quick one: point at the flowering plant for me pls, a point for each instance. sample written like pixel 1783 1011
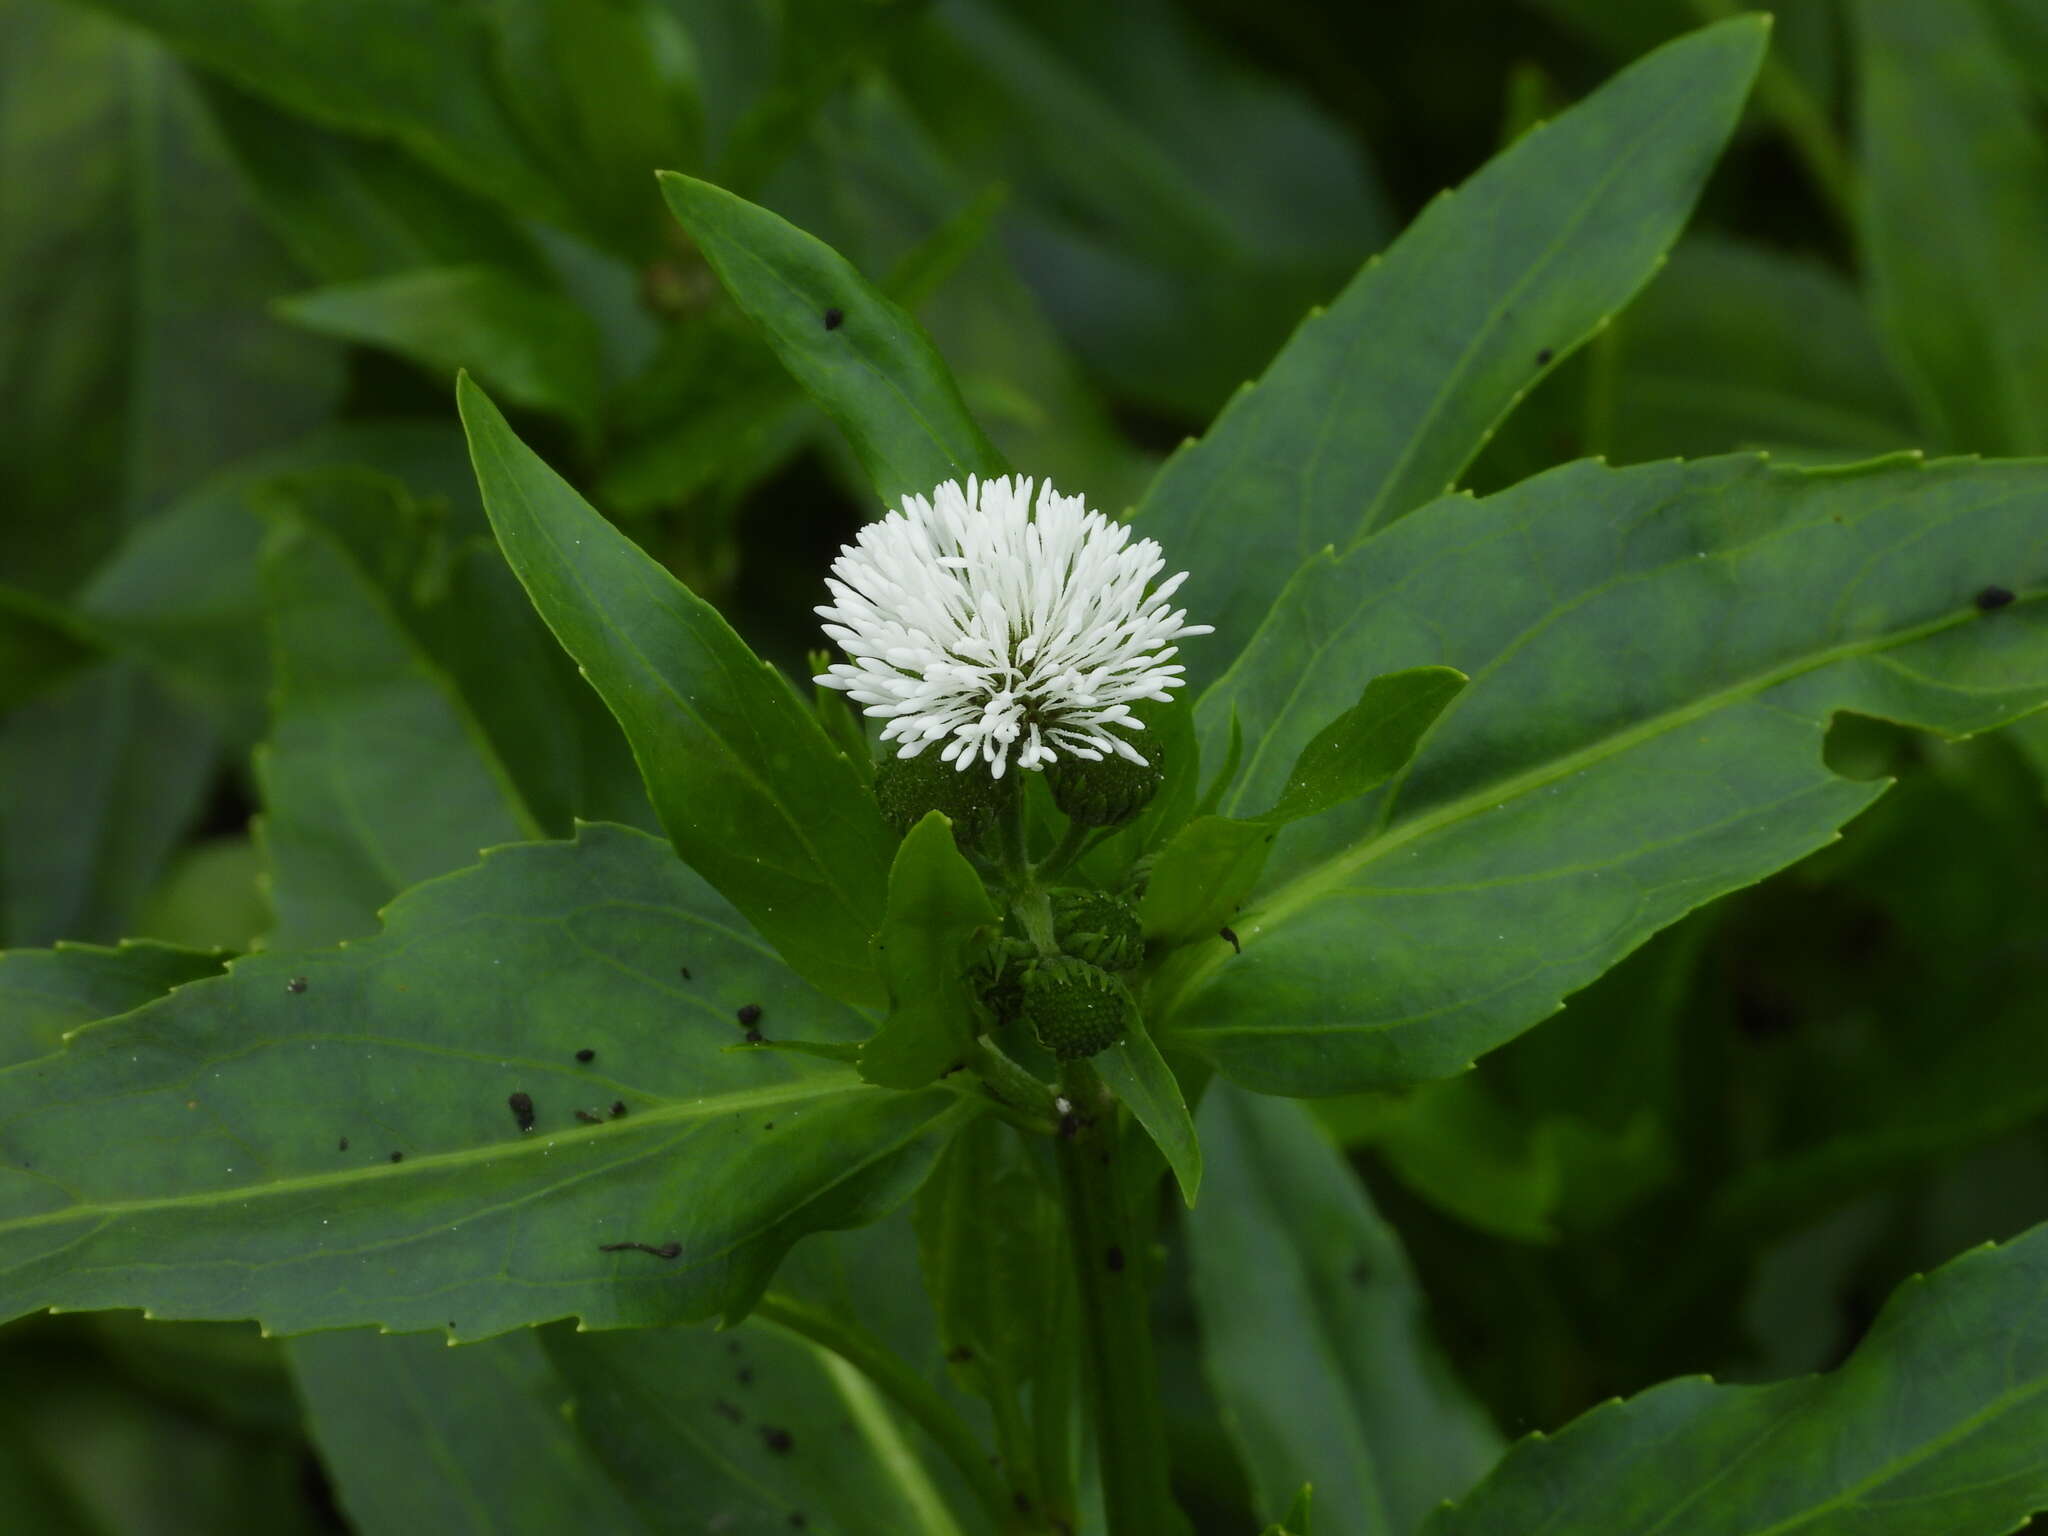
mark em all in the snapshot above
pixel 944 1030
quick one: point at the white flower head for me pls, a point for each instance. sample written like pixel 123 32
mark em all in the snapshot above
pixel 995 624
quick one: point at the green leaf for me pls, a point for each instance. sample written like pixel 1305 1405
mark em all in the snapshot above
pixel 992 1249
pixel 349 207
pixel 188 1158
pixel 388 69
pixel 531 345
pixel 1145 1084
pixel 1206 871
pixel 376 775
pixel 420 1436
pixel 1947 125
pixel 100 778
pixel 46 993
pixel 751 790
pixel 748 1432
pixel 40 643
pixel 872 370
pixel 135 352
pixel 1314 1333
pixel 1655 654
pixel 936 905
pixel 1436 340
pixel 1934 1424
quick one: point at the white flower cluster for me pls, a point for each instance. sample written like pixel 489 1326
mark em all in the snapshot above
pixel 982 620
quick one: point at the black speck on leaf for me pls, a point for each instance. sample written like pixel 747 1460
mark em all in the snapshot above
pixel 618 1109
pixel 586 1054
pixel 522 1110
pixel 344 1143
pixel 398 1157
pixel 778 1440
pixel 753 1037
pixel 834 318
pixel 296 985
pixel 589 1117
pixel 750 1015
pixel 1114 1258
pixel 1231 935
pixel 1543 358
pixel 745 1376
pixel 686 972
pixel 1993 598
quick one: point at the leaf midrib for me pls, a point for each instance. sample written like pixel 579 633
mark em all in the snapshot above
pixel 823 1085
pixel 1316 882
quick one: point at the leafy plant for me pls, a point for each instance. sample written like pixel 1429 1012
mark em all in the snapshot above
pixel 972 1140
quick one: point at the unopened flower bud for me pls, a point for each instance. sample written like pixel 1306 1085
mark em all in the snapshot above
pixel 909 788
pixel 1103 794
pixel 1075 1008
pixel 1097 927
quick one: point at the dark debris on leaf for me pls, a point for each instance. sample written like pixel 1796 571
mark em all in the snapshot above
pixel 1991 599
pixel 618 1109
pixel 586 1055
pixel 778 1440
pixel 834 318
pixel 296 985
pixel 749 1015
pixel 522 1110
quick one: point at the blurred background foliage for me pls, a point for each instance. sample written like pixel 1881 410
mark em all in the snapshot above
pixel 248 600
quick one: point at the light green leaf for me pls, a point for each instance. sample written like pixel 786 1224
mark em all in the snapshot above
pixel 1935 1424
pixel 871 369
pixel 46 993
pixel 1206 871
pixel 751 790
pixel 1955 225
pixel 1376 406
pixel 531 345
pixel 936 905
pixel 376 775
pixel 1655 654
pixel 188 1158
pixel 418 1436
pixel 1314 1333
pixel 1140 1078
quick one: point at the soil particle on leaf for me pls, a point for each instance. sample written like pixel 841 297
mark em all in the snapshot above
pixel 1543 358
pixel 590 1117
pixel 586 1055
pixel 1991 599
pixel 834 318
pixel 778 1440
pixel 296 985
pixel 753 1037
pixel 618 1109
pixel 398 1157
pixel 749 1015
pixel 522 1110
pixel 685 970
pixel 344 1143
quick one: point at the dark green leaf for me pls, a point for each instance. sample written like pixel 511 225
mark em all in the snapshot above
pixel 41 642
pixel 1655 654
pixel 418 1436
pixel 1202 877
pixel 531 345
pixel 1433 343
pixel 751 790
pixel 186 1157
pixel 1141 1079
pixel 1314 1335
pixel 1947 126
pixel 867 363
pixel 376 775
pixel 1934 1424
pixel 936 906
pixel 46 993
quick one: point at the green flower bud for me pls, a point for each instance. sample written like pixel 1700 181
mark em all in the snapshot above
pixel 1075 1008
pixel 1106 793
pixel 1097 927
pixel 909 788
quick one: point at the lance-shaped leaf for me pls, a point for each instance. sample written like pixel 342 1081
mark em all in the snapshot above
pixel 1143 1082
pixel 1935 1424
pixel 1655 656
pixel 748 786
pixel 863 358
pixel 46 992
pixel 936 905
pixel 333 1139
pixel 420 1436
pixel 1374 407
pixel 1314 1334
pixel 1214 862
pixel 1948 124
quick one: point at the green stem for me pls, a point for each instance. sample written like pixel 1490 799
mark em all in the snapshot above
pixel 1069 849
pixel 918 1398
pixel 1052 1401
pixel 1118 1370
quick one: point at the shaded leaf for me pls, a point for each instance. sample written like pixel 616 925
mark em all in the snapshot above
pixel 751 790
pixel 1314 1336
pixel 46 993
pixel 936 905
pixel 1142 1081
